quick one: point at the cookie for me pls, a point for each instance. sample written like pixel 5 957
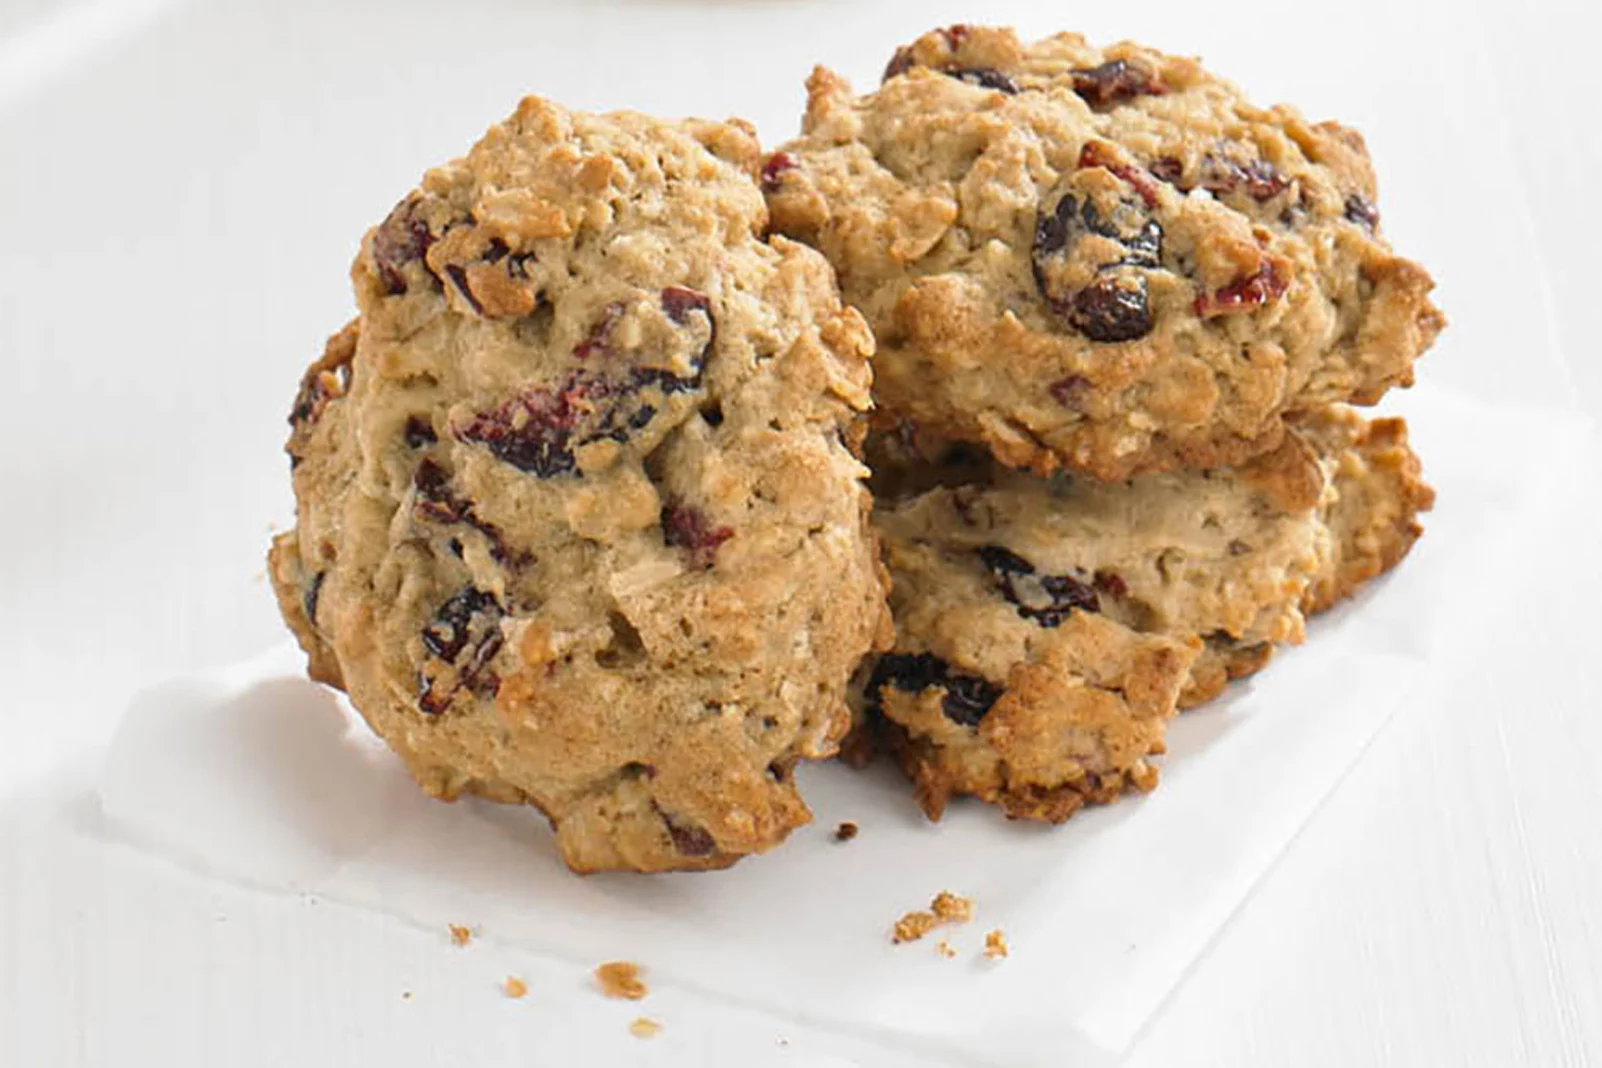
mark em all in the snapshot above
pixel 580 519
pixel 1105 260
pixel 1047 628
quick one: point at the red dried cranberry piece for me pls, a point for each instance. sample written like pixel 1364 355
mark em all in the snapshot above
pixel 1244 294
pixel 690 841
pixel 776 165
pixel 1169 170
pixel 1112 309
pixel 1259 179
pixel 1112 584
pixel 532 432
pixel 1113 83
pixel 419 432
pixel 308 600
pixel 400 239
pixel 1363 212
pixel 678 303
pixel 1046 600
pixel 685 527
pixel 1098 154
pixel 967 699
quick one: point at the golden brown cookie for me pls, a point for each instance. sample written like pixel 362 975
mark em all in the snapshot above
pixel 579 519
pixel 1106 260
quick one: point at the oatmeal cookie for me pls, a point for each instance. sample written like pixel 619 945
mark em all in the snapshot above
pixel 579 518
pixel 1106 260
pixel 1008 586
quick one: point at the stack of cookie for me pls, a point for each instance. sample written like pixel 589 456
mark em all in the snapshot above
pixel 1118 311
pixel 583 508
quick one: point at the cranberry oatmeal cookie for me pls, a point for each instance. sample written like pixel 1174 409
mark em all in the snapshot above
pixel 1100 259
pixel 580 522
pixel 1047 628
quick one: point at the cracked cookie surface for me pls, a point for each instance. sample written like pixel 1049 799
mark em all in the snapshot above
pixel 1100 259
pixel 579 519
pixel 1047 628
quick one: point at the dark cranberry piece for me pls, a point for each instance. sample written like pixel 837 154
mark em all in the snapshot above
pixel 1169 170
pixel 458 277
pixel 1098 154
pixel 308 600
pixel 452 627
pixel 776 165
pixel 400 239
pixel 1259 179
pixel 1111 584
pixel 684 527
pixel 419 432
pixel 984 78
pixel 1043 599
pixel 1363 212
pixel 899 63
pixel 1113 83
pixel 465 632
pixel 691 841
pixel 437 502
pixel 1244 294
pixel 678 303
pixel 600 334
pixel 967 698
pixel 1115 307
pixel 532 432
pixel 1070 391
pixel 1112 309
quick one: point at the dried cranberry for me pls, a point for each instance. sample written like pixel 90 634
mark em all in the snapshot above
pixel 532 432
pixel 1112 309
pixel 400 239
pixel 678 303
pixel 435 501
pixel 1259 179
pixel 984 78
pixel 466 633
pixel 967 699
pixel 1113 83
pixel 1243 294
pixel 1169 170
pixel 776 165
pixel 1115 307
pixel 1043 599
pixel 308 601
pixel 690 841
pixel 1098 154
pixel 1112 584
pixel 419 432
pixel 899 64
pixel 1363 212
pixel 595 343
pixel 684 527
pixel 1070 391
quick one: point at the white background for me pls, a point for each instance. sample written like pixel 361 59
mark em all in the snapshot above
pixel 181 190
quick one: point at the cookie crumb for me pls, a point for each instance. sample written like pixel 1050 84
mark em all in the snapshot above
pixel 514 987
pixel 406 995
pixel 460 935
pixel 620 979
pixel 913 926
pixel 951 908
pixel 644 1027
pixel 995 945
pixel 945 949
pixel 845 832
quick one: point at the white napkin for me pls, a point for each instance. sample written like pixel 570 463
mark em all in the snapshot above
pixel 252 773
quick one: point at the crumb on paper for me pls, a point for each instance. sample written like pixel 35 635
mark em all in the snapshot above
pixel 913 926
pixel 945 949
pixel 644 1027
pixel 620 979
pixel 514 987
pixel 995 944
pixel 845 832
pixel 783 1041
pixel 406 995
pixel 460 935
pixel 951 908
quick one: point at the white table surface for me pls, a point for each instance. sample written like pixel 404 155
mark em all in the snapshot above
pixel 181 188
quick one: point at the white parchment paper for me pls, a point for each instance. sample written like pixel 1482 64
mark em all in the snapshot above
pixel 253 774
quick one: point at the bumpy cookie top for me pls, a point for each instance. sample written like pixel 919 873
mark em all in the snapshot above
pixel 1104 259
pixel 579 519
